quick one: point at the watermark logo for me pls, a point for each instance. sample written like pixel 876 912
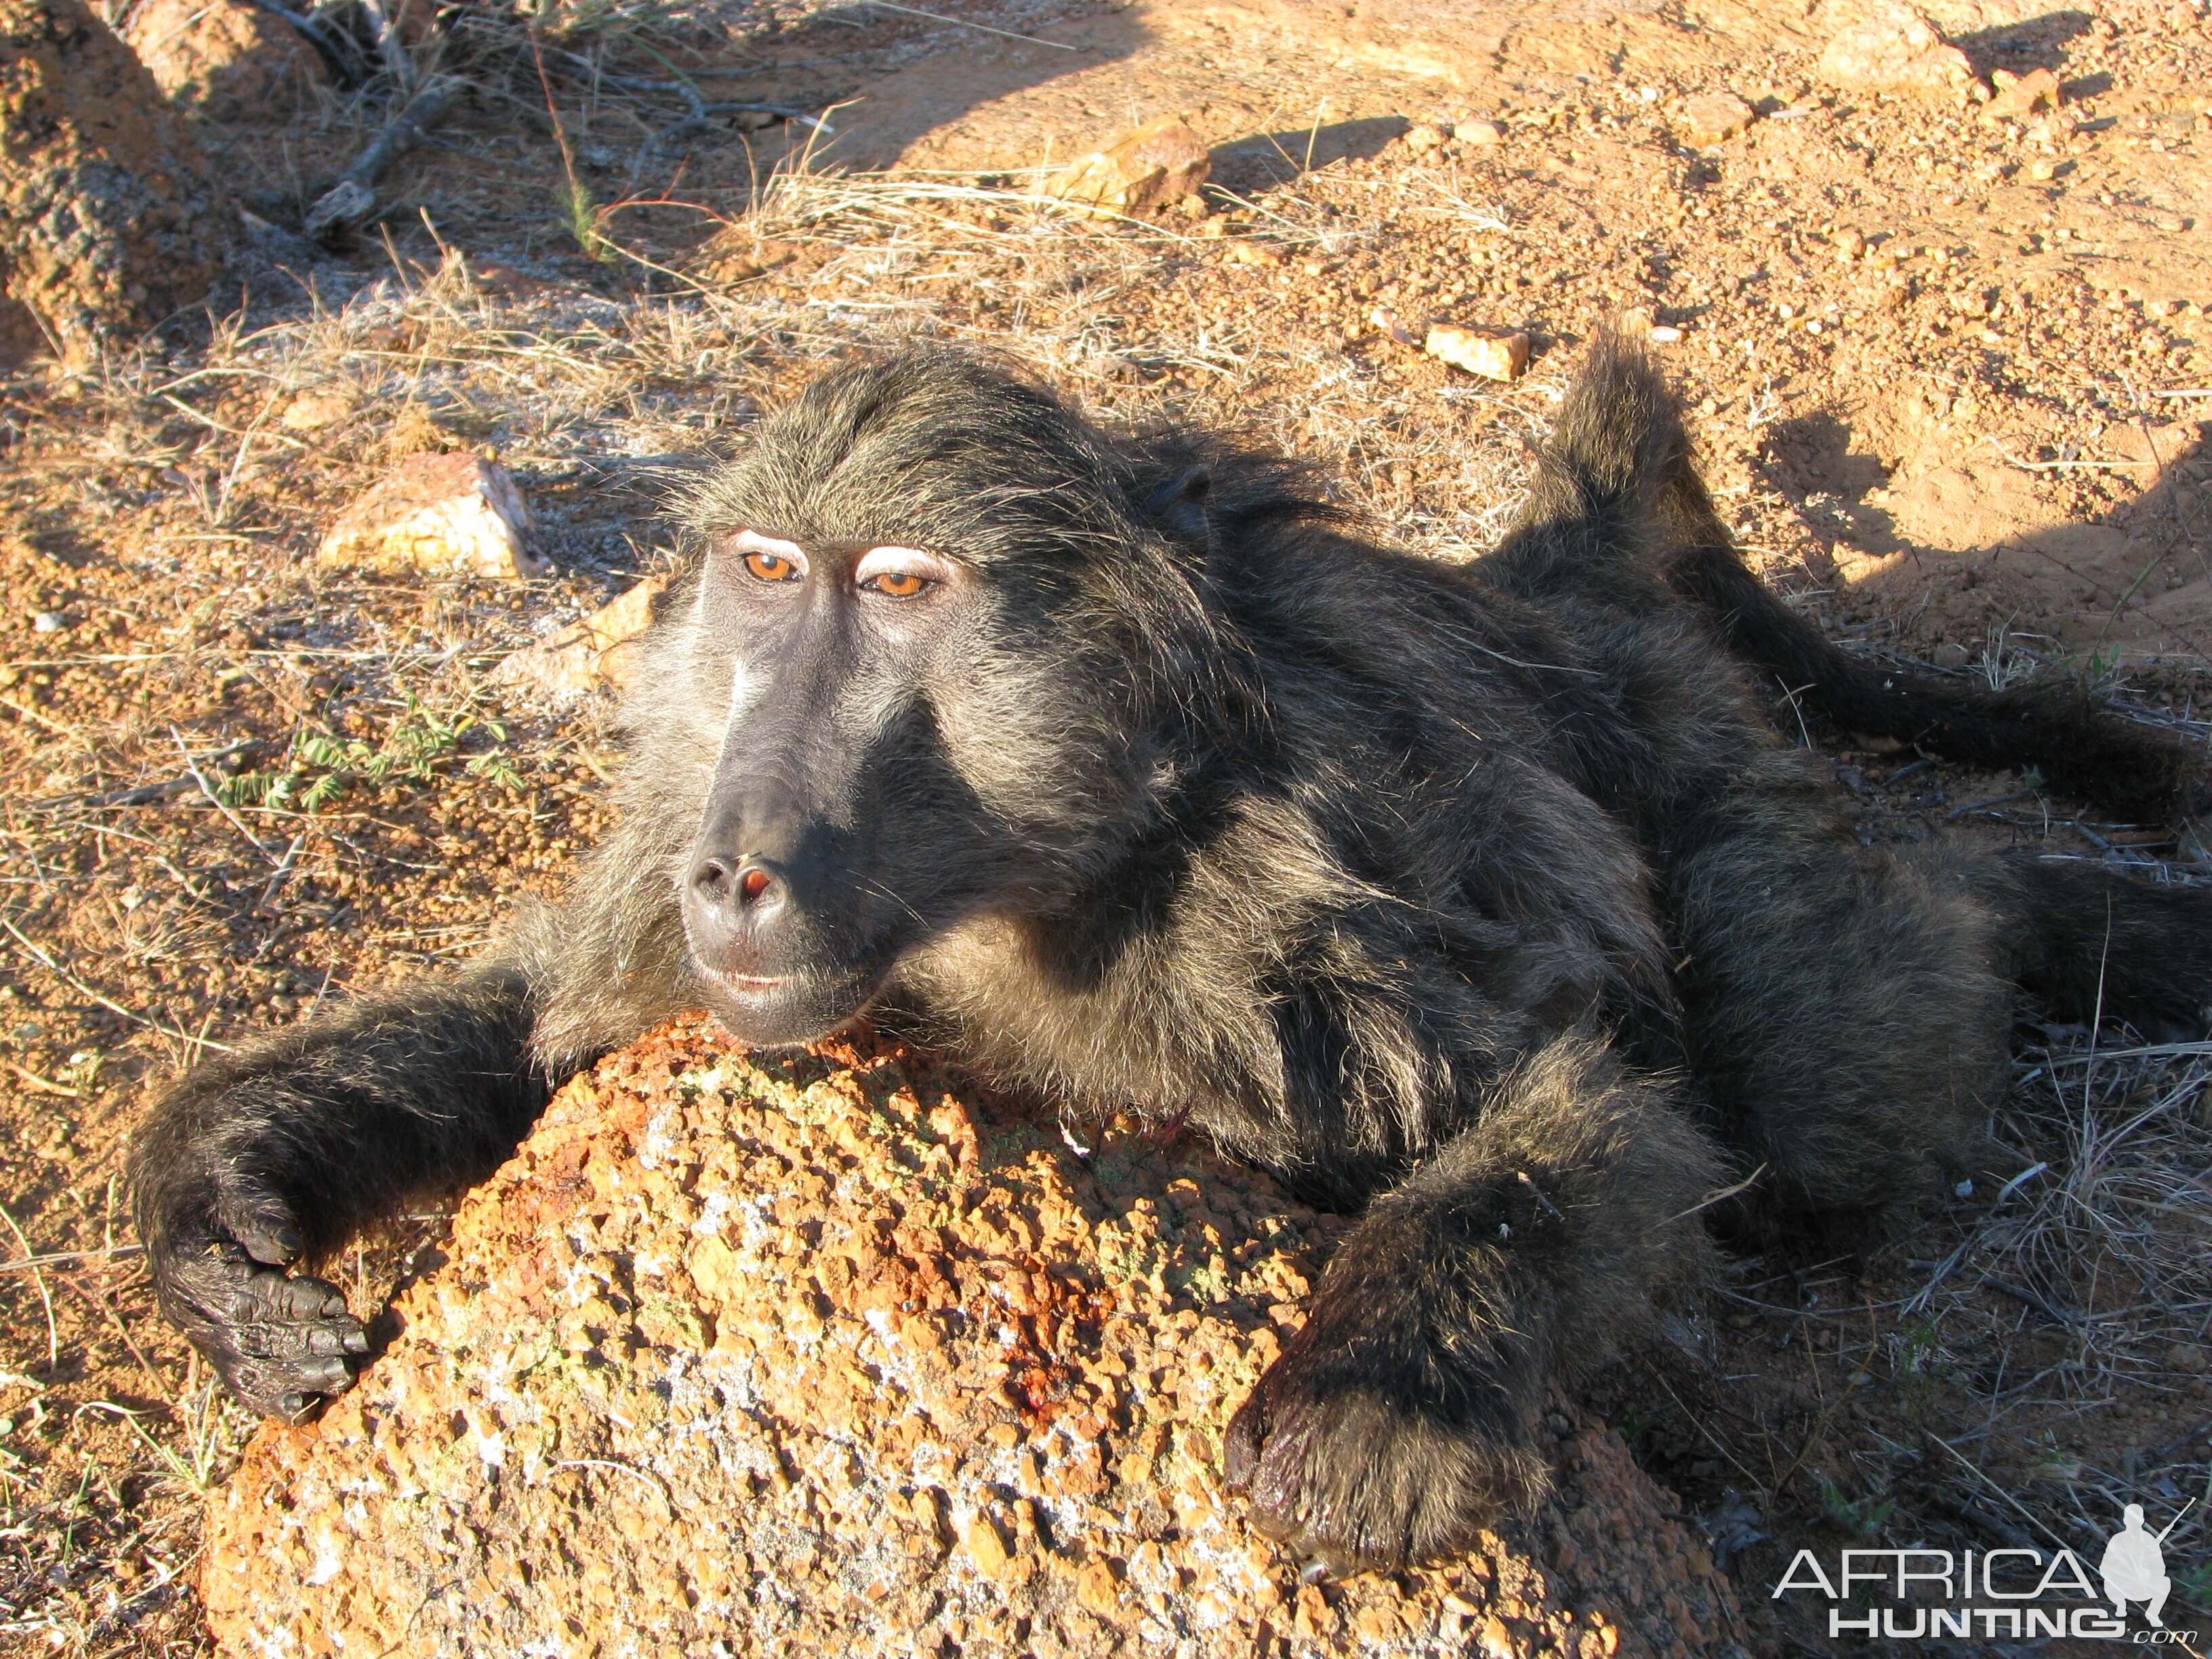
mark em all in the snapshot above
pixel 2014 1595
pixel 2134 1568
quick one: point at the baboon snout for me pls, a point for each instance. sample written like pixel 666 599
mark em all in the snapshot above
pixel 742 908
pixel 769 888
pixel 743 884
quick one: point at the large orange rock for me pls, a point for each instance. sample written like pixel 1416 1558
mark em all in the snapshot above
pixel 109 219
pixel 831 1353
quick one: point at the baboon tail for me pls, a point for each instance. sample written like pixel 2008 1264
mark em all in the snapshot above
pixel 1618 455
pixel 2091 942
pixel 1619 460
pixel 2134 770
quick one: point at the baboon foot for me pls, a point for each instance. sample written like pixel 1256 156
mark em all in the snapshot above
pixel 1370 1453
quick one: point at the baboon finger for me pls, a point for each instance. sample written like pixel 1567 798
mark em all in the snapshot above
pixel 263 1231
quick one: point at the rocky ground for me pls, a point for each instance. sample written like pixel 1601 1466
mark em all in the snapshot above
pixel 1949 367
pixel 816 1354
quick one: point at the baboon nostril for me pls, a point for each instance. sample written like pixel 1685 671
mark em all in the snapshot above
pixel 753 884
pixel 711 877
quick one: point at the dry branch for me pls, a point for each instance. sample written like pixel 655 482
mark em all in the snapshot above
pixel 351 202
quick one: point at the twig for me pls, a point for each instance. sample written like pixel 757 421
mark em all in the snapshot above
pixel 121 1330
pixel 389 46
pixel 216 800
pixel 2059 467
pixel 1968 1466
pixel 44 1085
pixel 351 201
pixel 2028 1298
pixel 108 1003
pixel 1984 806
pixel 45 1296
pixel 283 872
pixel 33 1263
pixel 344 64
pixel 963 23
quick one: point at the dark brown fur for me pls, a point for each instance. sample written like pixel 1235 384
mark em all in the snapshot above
pixel 1488 901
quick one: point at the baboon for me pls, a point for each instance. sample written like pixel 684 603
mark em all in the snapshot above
pixel 1486 901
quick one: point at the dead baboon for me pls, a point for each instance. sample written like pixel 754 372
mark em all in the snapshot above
pixel 1486 901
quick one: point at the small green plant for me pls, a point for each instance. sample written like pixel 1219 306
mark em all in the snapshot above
pixel 1862 1518
pixel 581 210
pixel 322 766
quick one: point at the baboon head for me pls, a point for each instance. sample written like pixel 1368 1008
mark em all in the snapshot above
pixel 954 640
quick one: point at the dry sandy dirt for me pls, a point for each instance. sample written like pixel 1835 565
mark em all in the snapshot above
pixel 1950 376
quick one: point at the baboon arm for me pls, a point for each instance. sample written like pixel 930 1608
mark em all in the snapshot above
pixel 280 1153
pixel 275 1155
pixel 1401 1418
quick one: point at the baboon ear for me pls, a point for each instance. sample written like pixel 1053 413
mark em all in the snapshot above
pixel 1178 507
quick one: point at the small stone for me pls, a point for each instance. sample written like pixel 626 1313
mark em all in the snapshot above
pixel 1152 167
pixel 48 622
pixel 1898 52
pixel 316 408
pixel 593 652
pixel 1494 353
pixel 1494 1640
pixel 496 277
pixel 1099 1590
pixel 1385 321
pixel 2019 95
pixel 1850 245
pixel 1423 137
pixel 1950 655
pixel 987 1545
pixel 2043 172
pixel 1714 117
pixel 442 512
pixel 1254 253
pixel 1314 1620
pixel 1663 334
pixel 1481 134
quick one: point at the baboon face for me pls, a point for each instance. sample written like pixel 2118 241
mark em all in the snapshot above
pixel 930 666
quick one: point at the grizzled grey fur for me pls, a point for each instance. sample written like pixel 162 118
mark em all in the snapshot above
pixel 1485 900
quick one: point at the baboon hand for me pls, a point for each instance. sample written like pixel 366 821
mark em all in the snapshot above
pixel 1373 1448
pixel 280 1341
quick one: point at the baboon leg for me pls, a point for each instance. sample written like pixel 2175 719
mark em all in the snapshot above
pixel 2078 750
pixel 1844 1010
pixel 1401 1418
pixel 2092 942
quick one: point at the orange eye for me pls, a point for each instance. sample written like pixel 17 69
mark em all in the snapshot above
pixel 770 566
pixel 898 584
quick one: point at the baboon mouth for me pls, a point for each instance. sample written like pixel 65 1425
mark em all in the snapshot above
pixel 794 1008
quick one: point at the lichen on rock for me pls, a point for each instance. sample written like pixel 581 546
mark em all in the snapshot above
pixel 833 1352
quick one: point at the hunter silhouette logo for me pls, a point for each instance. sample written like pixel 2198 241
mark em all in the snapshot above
pixel 2134 1567
pixel 2022 1592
